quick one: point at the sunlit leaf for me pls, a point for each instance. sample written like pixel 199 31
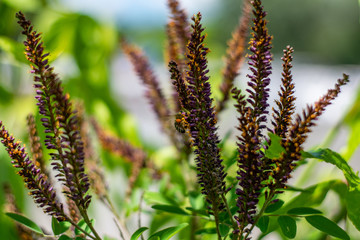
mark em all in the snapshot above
pixel 198 211
pixel 64 237
pixel 334 158
pixel 275 149
pixel 274 206
pixel 25 221
pixel 170 209
pixel 303 211
pixel 24 5
pixel 13 49
pixel 138 233
pixel 82 224
pixel 327 226
pixel 352 201
pixel 196 200
pixel 288 226
pixel 155 197
pixel 167 233
pixel 59 227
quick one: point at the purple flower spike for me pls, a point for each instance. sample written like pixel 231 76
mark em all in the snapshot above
pixel 59 119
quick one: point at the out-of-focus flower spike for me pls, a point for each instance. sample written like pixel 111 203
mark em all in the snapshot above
pixel 173 52
pixel 178 35
pixel 39 187
pixel 235 55
pixel 172 55
pixel 286 104
pixel 180 25
pixel 23 232
pixel 123 149
pixel 153 92
pixel 92 162
pixel 35 145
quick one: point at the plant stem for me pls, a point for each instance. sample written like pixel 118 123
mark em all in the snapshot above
pixel 88 222
pixel 228 210
pixel 216 215
pixel 124 234
pixel 266 203
pixel 194 223
pixel 79 228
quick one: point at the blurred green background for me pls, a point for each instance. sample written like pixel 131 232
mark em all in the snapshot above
pixel 82 37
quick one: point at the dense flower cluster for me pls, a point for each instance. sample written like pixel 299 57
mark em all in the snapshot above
pixel 39 186
pixel 195 98
pixel 59 120
pixel 256 171
pixel 286 103
pixel 299 130
pixel 253 116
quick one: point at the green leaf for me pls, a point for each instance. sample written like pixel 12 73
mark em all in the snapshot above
pixel 352 201
pixel 274 206
pixel 82 224
pixel 155 197
pixel 325 225
pixel 13 48
pixel 310 197
pixel 263 223
pixel 138 233
pixel 170 209
pixel 313 195
pixel 304 211
pixel 336 159
pixel 224 229
pixel 64 237
pixel 25 221
pixel 167 233
pixel 198 211
pixel 196 200
pixel 206 231
pixel 59 227
pixel 288 226
pixel 109 238
pixel 275 149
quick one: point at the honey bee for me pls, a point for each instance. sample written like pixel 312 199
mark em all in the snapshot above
pixel 180 124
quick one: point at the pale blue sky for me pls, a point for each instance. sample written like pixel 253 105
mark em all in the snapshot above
pixel 133 12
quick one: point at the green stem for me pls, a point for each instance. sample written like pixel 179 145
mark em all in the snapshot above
pixel 88 222
pixel 79 228
pixel 228 210
pixel 217 226
pixel 194 224
pixel 262 210
pixel 124 234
